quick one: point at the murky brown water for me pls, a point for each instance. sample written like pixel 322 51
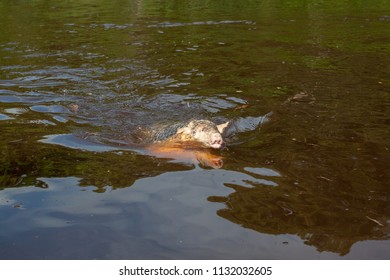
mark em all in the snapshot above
pixel 78 79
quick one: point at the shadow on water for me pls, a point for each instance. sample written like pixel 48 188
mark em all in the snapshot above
pixel 79 85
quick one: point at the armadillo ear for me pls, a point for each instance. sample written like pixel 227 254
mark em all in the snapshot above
pixel 222 127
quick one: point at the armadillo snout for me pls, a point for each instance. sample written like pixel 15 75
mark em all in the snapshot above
pixel 216 141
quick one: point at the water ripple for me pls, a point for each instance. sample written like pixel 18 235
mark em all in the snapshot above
pixel 180 24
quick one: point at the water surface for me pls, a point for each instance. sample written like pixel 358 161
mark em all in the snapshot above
pixel 79 79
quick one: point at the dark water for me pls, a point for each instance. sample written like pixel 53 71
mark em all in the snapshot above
pixel 78 78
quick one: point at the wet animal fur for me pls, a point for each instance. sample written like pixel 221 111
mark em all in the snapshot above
pixel 194 132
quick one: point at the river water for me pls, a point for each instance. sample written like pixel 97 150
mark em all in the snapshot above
pixel 78 79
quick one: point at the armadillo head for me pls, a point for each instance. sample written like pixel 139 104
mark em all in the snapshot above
pixel 205 132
